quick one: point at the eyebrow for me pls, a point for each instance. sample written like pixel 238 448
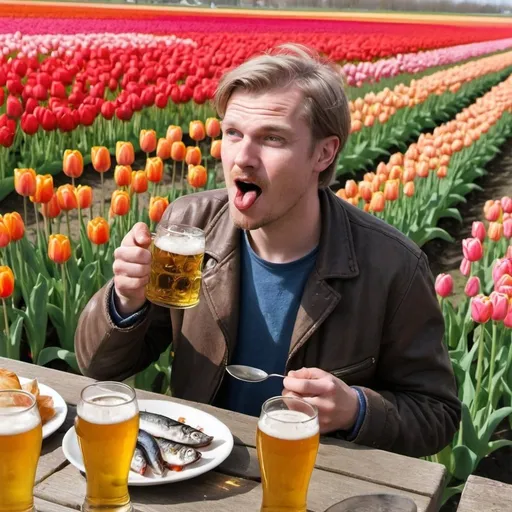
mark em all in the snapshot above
pixel 264 128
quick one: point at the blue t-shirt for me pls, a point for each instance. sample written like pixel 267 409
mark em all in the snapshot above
pixel 270 295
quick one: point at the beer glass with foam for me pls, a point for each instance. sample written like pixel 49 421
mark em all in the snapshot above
pixel 287 442
pixel 177 257
pixel 107 425
pixel 21 436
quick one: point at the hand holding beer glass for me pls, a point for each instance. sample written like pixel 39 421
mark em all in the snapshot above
pixel 287 442
pixel 107 426
pixel 21 436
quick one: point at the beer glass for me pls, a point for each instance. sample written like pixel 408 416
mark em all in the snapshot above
pixel 287 442
pixel 177 257
pixel 21 436
pixel 107 425
pixel 375 503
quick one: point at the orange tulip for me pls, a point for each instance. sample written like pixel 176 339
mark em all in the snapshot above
pixel 351 189
pixel 178 151
pixel 193 155
pixel 5 237
pixel 120 202
pixel 84 196
pixel 51 209
pixel 15 225
pixel 44 189
pixel 442 171
pixel 197 176
pixel 125 154
pixel 163 149
pixel 59 248
pixel 25 182
pixel 365 190
pixel 147 140
pixel 157 207
pixel 123 175
pixel 215 149
pixel 154 169
pixel 409 189
pixel 212 127
pixel 100 158
pixel 6 282
pixel 377 202
pixel 73 163
pixel 495 231
pixel 139 182
pixel 196 130
pixel 174 134
pixel 98 231
pixel 391 190
pixel 67 198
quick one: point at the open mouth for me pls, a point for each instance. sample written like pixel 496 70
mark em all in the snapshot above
pixel 246 194
pixel 245 186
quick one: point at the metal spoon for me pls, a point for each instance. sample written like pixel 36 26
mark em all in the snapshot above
pixel 249 374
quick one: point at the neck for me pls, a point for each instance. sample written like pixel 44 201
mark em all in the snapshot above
pixel 291 237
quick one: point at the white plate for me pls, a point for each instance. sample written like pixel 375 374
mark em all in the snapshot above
pixel 61 409
pixel 212 455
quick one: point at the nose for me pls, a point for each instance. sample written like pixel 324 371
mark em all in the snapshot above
pixel 246 154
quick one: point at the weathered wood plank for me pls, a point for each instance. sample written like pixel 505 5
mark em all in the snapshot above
pixel 47 506
pixel 215 491
pixel 485 495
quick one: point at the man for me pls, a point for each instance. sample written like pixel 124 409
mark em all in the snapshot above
pixel 295 280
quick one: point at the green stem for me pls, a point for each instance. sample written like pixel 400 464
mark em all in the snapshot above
pixel 6 320
pixel 64 292
pixel 479 368
pixel 38 236
pixel 25 208
pixel 492 364
pixel 102 196
pixel 69 227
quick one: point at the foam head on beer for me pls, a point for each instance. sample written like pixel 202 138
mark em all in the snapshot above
pixel 183 245
pixel 11 425
pixel 288 425
pixel 107 409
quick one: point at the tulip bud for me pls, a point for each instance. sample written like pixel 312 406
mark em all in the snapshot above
pixel 5 236
pixel 125 154
pixel 499 306
pixel 59 248
pixel 197 176
pixel 123 175
pixel 100 158
pixel 154 169
pixel 120 202
pixel 494 212
pixel 478 230
pixel 163 149
pixel 193 155
pixel 212 127
pixel 507 228
pixel 472 286
pixel 351 188
pixel 501 267
pixel 157 207
pixel 444 285
pixel 98 231
pixel 174 134
pixel 15 225
pixel 465 267
pixel 147 140
pixel 83 196
pixel 472 249
pixel 196 130
pixel 506 203
pixel 66 197
pixel 25 182
pixel 44 188
pixel 481 309
pixel 73 163
pixel 377 202
pixel 409 189
pixel 365 191
pixel 215 149
pixel 6 282
pixel 51 209
pixel 178 151
pixel 139 183
pixel 504 284
pixel 13 107
pixel 391 189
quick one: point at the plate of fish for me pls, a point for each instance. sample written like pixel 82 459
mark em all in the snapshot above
pixel 175 442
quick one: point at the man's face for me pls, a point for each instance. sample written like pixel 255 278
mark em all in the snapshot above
pixel 266 156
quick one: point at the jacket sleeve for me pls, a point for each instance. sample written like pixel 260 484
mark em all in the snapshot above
pixel 415 411
pixel 107 352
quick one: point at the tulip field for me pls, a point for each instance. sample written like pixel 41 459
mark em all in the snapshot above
pixel 105 119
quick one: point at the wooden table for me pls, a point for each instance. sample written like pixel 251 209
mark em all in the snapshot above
pixel 342 469
pixel 485 495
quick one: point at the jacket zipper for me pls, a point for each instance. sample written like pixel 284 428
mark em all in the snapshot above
pixel 363 365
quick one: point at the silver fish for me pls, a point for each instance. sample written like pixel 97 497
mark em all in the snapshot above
pixel 172 430
pixel 176 455
pixel 139 463
pixel 149 446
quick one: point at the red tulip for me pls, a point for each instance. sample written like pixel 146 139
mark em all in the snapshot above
pixel 6 137
pixel 6 282
pixel 481 309
pixel 29 123
pixel 13 107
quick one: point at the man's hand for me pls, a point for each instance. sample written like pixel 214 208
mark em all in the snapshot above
pixel 337 403
pixel 132 266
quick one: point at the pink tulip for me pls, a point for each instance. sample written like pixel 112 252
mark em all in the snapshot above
pixel 508 319
pixel 481 309
pixel 501 267
pixel 472 249
pixel 465 267
pixel 509 252
pixel 472 286
pixel 504 285
pixel 499 306
pixel 507 228
pixel 478 230
pixel 444 285
pixel 506 203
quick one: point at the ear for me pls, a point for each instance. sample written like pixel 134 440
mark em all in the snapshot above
pixel 325 152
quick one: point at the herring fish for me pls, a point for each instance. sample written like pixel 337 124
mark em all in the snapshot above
pixel 139 463
pixel 151 450
pixel 172 430
pixel 176 456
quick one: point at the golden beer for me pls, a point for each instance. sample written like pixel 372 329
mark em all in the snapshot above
pixel 107 426
pixel 287 443
pixel 20 446
pixel 176 264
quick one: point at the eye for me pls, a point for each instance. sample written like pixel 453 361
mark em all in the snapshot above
pixel 274 139
pixel 231 132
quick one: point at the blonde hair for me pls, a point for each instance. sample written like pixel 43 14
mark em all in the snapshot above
pixel 321 82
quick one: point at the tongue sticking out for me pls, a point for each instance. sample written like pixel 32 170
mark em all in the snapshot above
pixel 244 201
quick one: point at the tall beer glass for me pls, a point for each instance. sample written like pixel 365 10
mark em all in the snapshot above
pixel 21 436
pixel 107 425
pixel 177 257
pixel 287 442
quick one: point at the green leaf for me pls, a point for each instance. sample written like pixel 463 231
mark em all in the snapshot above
pixel 37 312
pixel 51 353
pixel 452 213
pixel 492 422
pixel 451 491
pixel 468 390
pixel 469 435
pixel 430 234
pixel 59 323
pixel 465 462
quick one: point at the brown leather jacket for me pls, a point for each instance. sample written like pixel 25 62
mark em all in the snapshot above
pixel 369 315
